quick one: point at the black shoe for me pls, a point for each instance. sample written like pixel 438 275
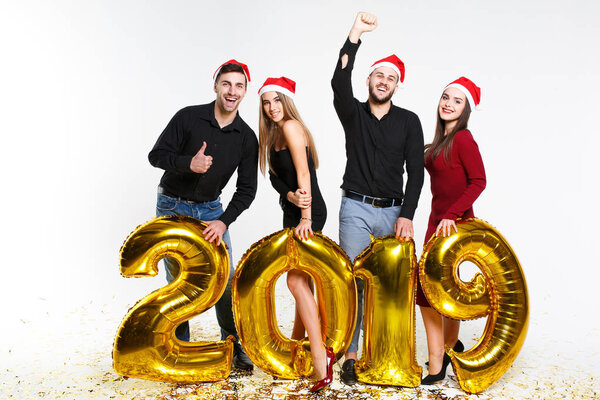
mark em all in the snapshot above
pixel 240 359
pixel 431 379
pixel 459 347
pixel 348 374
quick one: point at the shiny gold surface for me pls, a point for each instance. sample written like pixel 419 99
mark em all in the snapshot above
pixel 145 345
pixel 254 303
pixel 388 268
pixel 498 292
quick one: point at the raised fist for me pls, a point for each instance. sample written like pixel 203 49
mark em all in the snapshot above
pixel 364 22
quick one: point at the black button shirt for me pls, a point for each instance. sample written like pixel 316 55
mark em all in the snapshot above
pixel 377 150
pixel 231 147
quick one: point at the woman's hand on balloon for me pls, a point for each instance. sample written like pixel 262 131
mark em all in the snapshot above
pixel 445 227
pixel 304 229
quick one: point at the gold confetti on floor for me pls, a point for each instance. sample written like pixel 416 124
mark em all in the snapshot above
pixel 64 352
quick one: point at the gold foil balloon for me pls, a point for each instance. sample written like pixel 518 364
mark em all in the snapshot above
pixel 388 268
pixel 499 292
pixel 254 304
pixel 146 346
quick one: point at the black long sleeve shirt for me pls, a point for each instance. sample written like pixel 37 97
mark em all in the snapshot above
pixel 377 150
pixel 231 147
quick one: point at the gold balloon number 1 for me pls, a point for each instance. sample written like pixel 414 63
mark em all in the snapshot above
pixel 146 347
pixel 388 268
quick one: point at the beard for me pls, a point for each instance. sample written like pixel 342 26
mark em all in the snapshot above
pixel 377 100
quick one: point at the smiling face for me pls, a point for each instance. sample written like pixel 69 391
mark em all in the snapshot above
pixel 230 88
pixel 452 104
pixel 383 83
pixel 272 106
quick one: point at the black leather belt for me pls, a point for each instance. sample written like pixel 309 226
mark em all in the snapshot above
pixel 162 190
pixel 377 202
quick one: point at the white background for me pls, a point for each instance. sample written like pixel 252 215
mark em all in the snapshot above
pixel 87 87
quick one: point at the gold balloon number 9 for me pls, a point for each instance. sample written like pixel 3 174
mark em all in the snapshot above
pixel 499 292
pixel 254 302
pixel 145 345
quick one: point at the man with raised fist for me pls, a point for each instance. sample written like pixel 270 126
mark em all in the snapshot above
pixel 381 139
pixel 200 149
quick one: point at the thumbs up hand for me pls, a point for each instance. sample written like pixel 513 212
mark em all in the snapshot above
pixel 201 162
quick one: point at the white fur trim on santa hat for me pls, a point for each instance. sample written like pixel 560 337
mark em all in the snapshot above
pixel 389 65
pixel 275 88
pixel 466 93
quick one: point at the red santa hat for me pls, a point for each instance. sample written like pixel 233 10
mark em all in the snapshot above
pixel 471 91
pixel 244 67
pixel 392 62
pixel 282 85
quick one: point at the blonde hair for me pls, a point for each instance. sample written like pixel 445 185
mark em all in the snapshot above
pixel 268 132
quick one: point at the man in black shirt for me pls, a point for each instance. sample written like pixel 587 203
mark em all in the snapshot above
pixel 380 139
pixel 199 150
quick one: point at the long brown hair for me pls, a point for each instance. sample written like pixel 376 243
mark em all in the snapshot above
pixel 269 131
pixel 443 143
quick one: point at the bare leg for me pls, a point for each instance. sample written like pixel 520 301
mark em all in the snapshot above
pixel 435 338
pixel 306 306
pixel 298 329
pixel 451 328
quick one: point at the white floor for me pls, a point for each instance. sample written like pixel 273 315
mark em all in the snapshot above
pixel 56 349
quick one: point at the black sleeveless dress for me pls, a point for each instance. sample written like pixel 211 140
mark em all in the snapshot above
pixel 285 180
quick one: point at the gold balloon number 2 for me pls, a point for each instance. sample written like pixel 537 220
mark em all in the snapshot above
pixel 145 346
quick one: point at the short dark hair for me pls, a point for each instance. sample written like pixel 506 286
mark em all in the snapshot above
pixel 231 67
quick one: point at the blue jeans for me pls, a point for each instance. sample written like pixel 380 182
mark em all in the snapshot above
pixel 209 211
pixel 358 221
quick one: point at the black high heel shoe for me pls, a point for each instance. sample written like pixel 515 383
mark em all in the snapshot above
pixel 459 347
pixel 330 358
pixel 431 379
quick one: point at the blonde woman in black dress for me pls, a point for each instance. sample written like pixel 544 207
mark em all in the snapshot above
pixel 288 151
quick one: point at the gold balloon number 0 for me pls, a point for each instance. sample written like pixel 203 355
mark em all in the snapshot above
pixel 145 345
pixel 254 303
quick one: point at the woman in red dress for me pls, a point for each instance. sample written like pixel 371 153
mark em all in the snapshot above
pixel 457 179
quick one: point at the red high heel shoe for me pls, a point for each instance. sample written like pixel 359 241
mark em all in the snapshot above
pixel 329 377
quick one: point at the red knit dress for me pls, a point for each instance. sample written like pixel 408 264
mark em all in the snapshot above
pixel 454 187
